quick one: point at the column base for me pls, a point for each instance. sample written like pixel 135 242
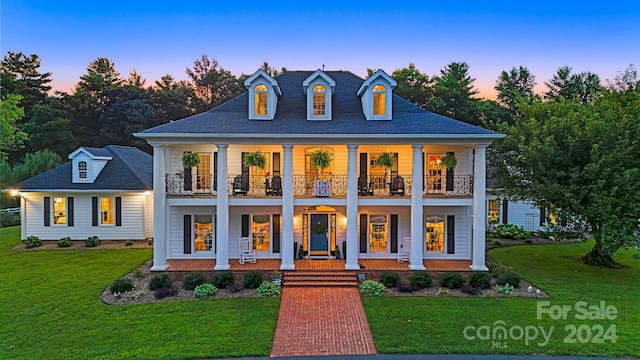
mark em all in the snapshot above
pixel 159 267
pixel 222 267
pixel 478 268
pixel 417 267
pixel 352 267
pixel 287 267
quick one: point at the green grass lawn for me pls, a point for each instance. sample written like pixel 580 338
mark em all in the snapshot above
pixel 437 324
pixel 50 309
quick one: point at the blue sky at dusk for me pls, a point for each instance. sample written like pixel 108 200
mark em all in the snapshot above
pixel 160 37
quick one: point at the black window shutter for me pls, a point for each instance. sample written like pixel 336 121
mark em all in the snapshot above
pixel 47 211
pixel 245 226
pixel 394 234
pixel 450 175
pixel 276 233
pixel 276 164
pixel 394 168
pixel 451 234
pixel 363 232
pixel 505 211
pixel 215 171
pixel 187 179
pixel 94 211
pixel 245 168
pixel 543 215
pixel 118 211
pixel 213 233
pixel 363 164
pixel 70 211
pixel 186 234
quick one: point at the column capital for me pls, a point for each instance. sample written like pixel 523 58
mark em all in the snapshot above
pixel 287 146
pixel 417 146
pixel 223 146
pixel 353 146
pixel 482 146
pixel 157 146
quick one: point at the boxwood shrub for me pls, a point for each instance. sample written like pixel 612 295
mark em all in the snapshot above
pixel 65 242
pixel 389 278
pixel 480 280
pixel 420 279
pixel 92 241
pixel 252 279
pixel 192 280
pixel 510 278
pixel 33 241
pixel 451 280
pixel 159 281
pixel 223 279
pixel 121 285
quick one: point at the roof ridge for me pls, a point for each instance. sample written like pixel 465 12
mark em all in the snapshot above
pixel 112 149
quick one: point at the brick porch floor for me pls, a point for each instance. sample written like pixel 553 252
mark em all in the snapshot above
pixel 321 321
pixel 274 264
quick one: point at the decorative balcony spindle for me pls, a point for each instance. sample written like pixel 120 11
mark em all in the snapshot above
pixel 439 185
pixel 202 184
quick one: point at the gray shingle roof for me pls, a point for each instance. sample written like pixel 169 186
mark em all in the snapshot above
pixel 291 116
pixel 130 169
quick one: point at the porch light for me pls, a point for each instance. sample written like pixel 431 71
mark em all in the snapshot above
pixel 14 192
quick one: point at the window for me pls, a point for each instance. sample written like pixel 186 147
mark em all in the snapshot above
pixel 434 233
pixel 59 211
pixel 379 100
pixel 82 169
pixel 378 231
pixel 261 232
pixel 494 212
pixel 435 173
pixel 203 232
pixel 203 173
pixel 319 100
pixel 106 211
pixel 260 93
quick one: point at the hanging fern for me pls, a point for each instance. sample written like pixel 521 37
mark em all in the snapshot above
pixel 190 159
pixel 254 159
pixel 449 161
pixel 321 159
pixel 385 159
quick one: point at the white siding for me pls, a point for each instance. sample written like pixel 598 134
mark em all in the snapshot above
pixel 176 231
pixel 525 214
pixel 462 232
pixel 148 215
pixel 133 223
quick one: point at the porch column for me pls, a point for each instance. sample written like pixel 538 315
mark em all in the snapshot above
pixel 352 208
pixel 479 209
pixel 287 209
pixel 222 211
pixel 159 214
pixel 416 209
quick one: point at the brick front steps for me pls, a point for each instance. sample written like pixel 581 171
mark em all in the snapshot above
pixel 320 279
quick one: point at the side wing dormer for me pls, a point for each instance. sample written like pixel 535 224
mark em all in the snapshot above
pixel 86 165
pixel 319 89
pixel 376 94
pixel 263 95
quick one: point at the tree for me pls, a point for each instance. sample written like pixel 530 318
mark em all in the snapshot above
pixel 49 127
pixel 584 87
pixel 34 164
pixel 625 80
pixel 453 94
pixel 412 85
pixel 21 75
pixel 514 86
pixel 580 160
pixel 11 137
pixel 212 83
pixel 135 79
pixel 176 99
pixel 272 70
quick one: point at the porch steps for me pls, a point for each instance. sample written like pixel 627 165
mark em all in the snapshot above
pixel 320 279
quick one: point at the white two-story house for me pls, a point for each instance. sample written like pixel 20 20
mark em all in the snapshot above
pixel 416 202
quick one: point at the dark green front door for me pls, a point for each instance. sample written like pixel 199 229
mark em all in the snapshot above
pixel 319 231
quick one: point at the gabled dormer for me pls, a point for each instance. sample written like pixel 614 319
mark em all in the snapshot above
pixel 319 89
pixel 376 94
pixel 263 95
pixel 86 164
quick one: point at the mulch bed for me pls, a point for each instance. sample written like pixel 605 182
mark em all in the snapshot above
pixel 80 244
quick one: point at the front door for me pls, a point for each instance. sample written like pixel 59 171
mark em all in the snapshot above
pixel 319 230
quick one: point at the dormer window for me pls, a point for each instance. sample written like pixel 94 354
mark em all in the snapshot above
pixel 379 100
pixel 261 95
pixel 319 100
pixel 82 169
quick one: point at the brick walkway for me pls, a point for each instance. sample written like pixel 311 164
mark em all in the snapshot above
pixel 321 321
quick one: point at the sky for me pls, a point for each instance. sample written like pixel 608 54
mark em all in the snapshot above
pixel 165 37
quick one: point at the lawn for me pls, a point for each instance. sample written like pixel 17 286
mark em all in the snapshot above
pixel 437 324
pixel 50 309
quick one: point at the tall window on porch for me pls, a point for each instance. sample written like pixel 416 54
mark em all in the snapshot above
pixel 435 173
pixel 319 100
pixel 261 232
pixel 434 233
pixel 203 232
pixel 378 231
pixel 203 172
pixel 260 93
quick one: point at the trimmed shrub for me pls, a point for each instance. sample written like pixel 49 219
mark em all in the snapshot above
pixel 159 281
pixel 192 280
pixel 420 279
pixel 372 288
pixel 480 280
pixel 252 279
pixel 121 285
pixel 128 243
pixel 451 280
pixel 268 289
pixel 92 241
pixel 223 279
pixel 65 242
pixel 32 242
pixel 389 278
pixel 236 287
pixel 510 278
pixel 165 291
pixel 509 231
pixel 203 291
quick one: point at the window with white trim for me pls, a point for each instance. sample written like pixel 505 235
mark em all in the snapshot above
pixel 203 232
pixel 107 211
pixel 319 100
pixel 379 100
pixel 260 99
pixel 82 169
pixel 59 211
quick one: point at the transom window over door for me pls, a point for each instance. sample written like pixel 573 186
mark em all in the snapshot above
pixel 82 169
pixel 379 100
pixel 319 100
pixel 260 93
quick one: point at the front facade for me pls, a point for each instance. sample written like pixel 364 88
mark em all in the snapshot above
pixel 414 209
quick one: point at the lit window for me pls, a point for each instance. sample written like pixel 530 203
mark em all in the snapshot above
pixel 378 233
pixel 260 92
pixel 261 232
pixel 59 211
pixel 319 100
pixel 434 234
pixel 106 211
pixel 82 169
pixel 203 231
pixel 379 100
pixel 494 212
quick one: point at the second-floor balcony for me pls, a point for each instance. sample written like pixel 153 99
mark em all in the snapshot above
pixel 393 185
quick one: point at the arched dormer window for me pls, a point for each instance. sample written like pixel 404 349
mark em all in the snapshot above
pixel 379 100
pixel 319 100
pixel 260 93
pixel 82 169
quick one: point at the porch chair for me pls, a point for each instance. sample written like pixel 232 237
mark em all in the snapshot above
pixel 240 185
pixel 364 188
pixel 246 251
pixel 404 250
pixel 397 186
pixel 274 187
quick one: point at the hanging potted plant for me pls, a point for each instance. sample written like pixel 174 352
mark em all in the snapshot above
pixel 254 159
pixel 385 159
pixel 189 161
pixel 321 159
pixel 449 161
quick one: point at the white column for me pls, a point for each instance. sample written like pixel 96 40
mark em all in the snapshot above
pixel 222 212
pixel 479 209
pixel 159 213
pixel 352 209
pixel 417 237
pixel 287 209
